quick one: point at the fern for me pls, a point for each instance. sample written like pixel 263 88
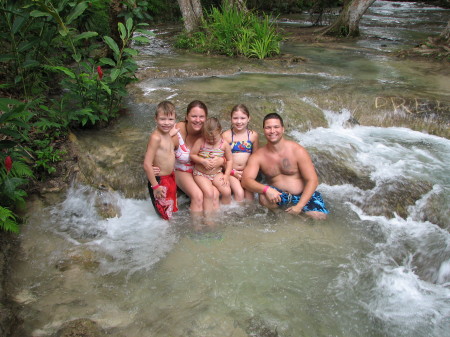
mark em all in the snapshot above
pixel 8 221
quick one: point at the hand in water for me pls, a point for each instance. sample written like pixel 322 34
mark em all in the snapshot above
pixel 293 210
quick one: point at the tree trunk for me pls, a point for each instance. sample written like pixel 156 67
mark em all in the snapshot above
pixel 192 13
pixel 347 24
pixel 239 4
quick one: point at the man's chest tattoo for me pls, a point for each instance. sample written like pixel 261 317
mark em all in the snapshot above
pixel 286 165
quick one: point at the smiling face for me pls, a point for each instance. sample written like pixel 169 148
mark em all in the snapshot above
pixel 239 120
pixel 273 130
pixel 165 122
pixel 196 118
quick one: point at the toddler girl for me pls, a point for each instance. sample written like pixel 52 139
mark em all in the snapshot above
pixel 207 177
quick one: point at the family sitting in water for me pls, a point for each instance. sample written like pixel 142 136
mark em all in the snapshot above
pixel 214 167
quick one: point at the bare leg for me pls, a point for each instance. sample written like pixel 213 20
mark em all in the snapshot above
pixel 316 215
pixel 237 189
pixel 208 194
pixel 216 200
pixel 225 190
pixel 185 181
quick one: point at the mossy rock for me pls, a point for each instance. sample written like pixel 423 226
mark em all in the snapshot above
pixel 80 328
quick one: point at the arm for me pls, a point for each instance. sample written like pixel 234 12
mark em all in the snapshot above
pixel 309 176
pixel 194 152
pixel 152 146
pixel 251 171
pixel 249 182
pixel 229 162
pixel 254 137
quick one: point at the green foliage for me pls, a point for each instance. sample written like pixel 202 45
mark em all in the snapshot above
pixel 14 125
pixel 229 31
pixel 8 220
pixel 48 41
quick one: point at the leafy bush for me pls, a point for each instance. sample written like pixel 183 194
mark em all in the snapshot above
pixel 14 169
pixel 229 31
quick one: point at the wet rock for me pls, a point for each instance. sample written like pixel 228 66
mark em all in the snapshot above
pixel 106 204
pixel 80 328
pixel 336 169
pixel 85 258
pixel 394 196
pixel 259 328
pixel 433 211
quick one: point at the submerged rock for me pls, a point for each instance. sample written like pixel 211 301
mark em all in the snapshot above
pixel 82 327
pixel 85 258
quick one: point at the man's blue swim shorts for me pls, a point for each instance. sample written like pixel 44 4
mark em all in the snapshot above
pixel 316 202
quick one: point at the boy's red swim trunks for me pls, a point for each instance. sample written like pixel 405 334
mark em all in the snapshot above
pixel 168 205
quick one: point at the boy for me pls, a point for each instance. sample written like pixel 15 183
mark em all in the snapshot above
pixel 160 153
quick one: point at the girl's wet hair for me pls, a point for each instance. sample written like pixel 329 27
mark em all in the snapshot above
pixel 197 104
pixel 240 107
pixel 211 125
pixel 165 108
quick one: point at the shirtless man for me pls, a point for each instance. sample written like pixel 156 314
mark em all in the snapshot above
pixel 289 171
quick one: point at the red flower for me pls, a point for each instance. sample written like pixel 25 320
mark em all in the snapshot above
pixel 8 163
pixel 100 72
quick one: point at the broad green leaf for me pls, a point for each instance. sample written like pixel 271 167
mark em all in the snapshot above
pixel 129 24
pixel 108 61
pixel 145 31
pixel 112 44
pixel 37 14
pixel 122 31
pixel 106 88
pixel 85 35
pixel 114 74
pixel 142 39
pixel 77 11
pixel 65 70
pixel 130 51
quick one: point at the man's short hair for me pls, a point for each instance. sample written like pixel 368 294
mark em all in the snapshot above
pixel 273 115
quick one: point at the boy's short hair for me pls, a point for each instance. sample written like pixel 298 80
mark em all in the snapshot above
pixel 273 115
pixel 166 108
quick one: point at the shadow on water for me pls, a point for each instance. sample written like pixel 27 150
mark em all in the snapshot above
pixel 377 130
